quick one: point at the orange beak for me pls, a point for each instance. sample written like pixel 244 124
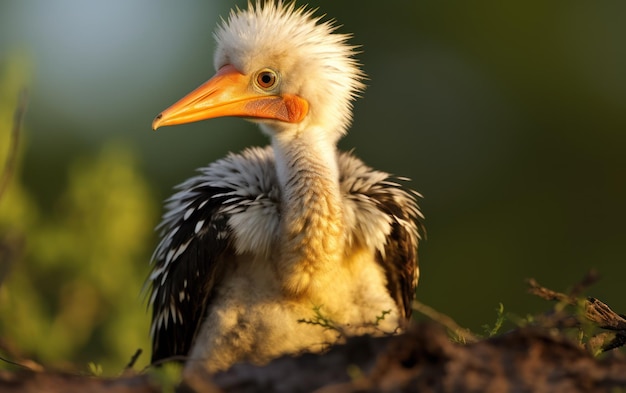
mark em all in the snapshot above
pixel 229 93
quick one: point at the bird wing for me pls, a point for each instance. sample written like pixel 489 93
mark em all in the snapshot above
pixel 197 235
pixel 386 219
pixel 399 258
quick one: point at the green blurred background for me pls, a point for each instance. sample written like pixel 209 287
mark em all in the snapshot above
pixel 509 117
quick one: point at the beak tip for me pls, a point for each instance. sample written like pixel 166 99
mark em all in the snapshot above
pixel 157 121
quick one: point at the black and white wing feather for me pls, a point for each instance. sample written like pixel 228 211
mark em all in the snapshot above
pixel 388 221
pixel 196 235
pixel 187 265
pixel 399 258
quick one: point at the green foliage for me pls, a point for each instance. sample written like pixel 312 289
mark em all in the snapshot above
pixel 381 317
pixel 95 369
pixel 74 294
pixel 458 336
pixel 326 322
pixel 168 376
pixel 497 325
pixel 322 321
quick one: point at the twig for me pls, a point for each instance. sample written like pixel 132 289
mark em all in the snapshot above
pixel 133 359
pixel 536 289
pixel 618 341
pixel 446 321
pixel 601 314
pixel 14 363
pixel 9 166
pixel 594 310
pixel 24 363
pixel 590 278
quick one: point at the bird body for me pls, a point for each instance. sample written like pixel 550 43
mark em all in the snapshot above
pixel 290 247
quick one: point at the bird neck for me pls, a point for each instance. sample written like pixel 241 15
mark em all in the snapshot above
pixel 312 227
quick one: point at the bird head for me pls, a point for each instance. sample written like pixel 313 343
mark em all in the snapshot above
pixel 280 66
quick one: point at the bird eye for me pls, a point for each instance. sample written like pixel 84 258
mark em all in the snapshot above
pixel 266 79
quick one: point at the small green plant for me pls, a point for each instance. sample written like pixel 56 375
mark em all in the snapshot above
pixel 327 323
pixel 492 331
pixel 321 320
pixel 167 376
pixel 381 317
pixel 95 369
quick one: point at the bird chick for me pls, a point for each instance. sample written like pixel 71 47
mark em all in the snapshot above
pixel 261 246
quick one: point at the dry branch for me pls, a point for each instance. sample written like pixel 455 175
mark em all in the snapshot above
pixel 594 310
pixel 464 335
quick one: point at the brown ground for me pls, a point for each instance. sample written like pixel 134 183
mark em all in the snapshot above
pixel 547 356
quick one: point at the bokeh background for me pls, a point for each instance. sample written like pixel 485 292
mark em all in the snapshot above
pixel 509 117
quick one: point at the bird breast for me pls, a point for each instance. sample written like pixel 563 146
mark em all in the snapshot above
pixel 251 320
